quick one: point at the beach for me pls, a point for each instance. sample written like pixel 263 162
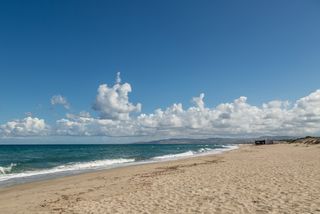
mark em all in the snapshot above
pixel 279 178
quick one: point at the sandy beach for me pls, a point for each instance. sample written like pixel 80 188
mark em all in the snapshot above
pixel 281 178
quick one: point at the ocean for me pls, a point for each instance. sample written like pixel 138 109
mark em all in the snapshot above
pixel 25 163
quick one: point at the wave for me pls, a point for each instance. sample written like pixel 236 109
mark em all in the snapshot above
pixel 7 169
pixel 65 168
pixel 6 172
pixel 204 150
pixel 223 149
pixel 199 152
pixel 171 156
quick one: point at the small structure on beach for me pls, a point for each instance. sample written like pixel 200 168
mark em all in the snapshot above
pixel 263 142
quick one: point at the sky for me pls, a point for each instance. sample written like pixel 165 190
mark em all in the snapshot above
pixel 187 68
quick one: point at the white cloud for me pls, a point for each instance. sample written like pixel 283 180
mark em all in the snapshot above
pixel 77 125
pixel 113 102
pixel 28 126
pixel 118 78
pixel 237 118
pixel 198 101
pixel 60 100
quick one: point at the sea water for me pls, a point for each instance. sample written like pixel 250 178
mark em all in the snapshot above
pixel 25 163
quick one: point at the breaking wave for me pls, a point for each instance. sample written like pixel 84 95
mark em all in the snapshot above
pixel 62 168
pixel 7 169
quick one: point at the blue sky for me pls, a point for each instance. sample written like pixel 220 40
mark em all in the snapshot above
pixel 169 52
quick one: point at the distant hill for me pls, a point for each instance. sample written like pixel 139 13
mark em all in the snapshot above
pixel 307 140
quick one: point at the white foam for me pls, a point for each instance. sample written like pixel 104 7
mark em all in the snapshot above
pixel 223 149
pixel 68 167
pixel 173 156
pixel 204 150
pixel 200 152
pixel 108 163
pixel 5 170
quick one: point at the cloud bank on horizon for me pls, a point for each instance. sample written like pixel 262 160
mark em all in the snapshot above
pixel 116 118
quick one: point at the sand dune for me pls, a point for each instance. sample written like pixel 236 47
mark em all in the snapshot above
pixel 279 178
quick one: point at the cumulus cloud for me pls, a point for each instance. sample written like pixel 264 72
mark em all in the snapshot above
pixel 28 126
pixel 60 100
pixel 113 102
pixel 198 101
pixel 237 118
pixel 81 125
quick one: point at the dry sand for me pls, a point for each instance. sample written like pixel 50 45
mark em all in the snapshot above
pixel 253 179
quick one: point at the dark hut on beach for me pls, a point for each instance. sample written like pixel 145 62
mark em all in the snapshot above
pixel 263 142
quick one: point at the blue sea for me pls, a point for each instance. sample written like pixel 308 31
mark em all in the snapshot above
pixel 25 163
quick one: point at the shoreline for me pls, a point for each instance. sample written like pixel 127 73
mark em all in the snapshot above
pixel 44 176
pixel 30 184
pixel 280 178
